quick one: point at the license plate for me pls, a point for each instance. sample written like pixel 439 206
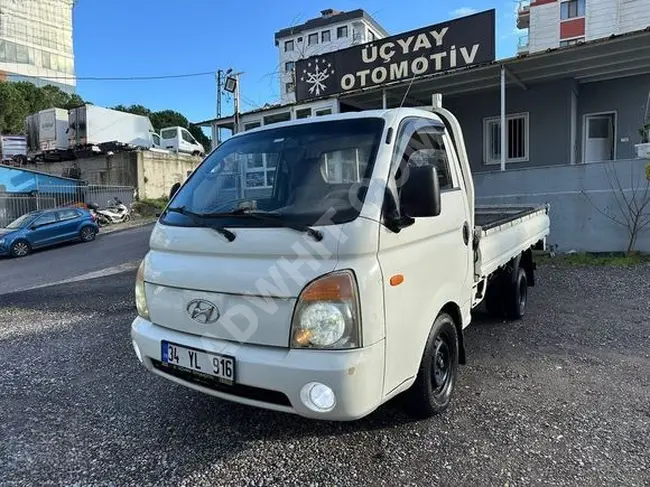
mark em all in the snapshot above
pixel 220 366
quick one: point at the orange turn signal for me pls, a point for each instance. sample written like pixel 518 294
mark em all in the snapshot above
pixel 337 287
pixel 396 280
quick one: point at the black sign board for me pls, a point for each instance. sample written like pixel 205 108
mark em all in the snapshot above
pixel 454 44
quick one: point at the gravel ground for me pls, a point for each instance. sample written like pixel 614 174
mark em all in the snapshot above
pixel 559 398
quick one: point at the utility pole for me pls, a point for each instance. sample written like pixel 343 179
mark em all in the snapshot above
pixel 236 102
pixel 217 132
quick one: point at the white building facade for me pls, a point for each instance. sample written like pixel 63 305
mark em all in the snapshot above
pixel 559 23
pixel 36 42
pixel 332 31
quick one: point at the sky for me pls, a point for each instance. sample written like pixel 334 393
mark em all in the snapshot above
pixel 125 38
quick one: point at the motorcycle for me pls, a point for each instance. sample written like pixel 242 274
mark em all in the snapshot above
pixel 115 212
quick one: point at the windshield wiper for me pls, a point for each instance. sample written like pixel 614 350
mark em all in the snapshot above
pixel 223 231
pixel 274 217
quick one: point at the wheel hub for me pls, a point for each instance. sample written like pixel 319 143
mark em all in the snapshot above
pixel 440 365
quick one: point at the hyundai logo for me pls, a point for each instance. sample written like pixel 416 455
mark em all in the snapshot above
pixel 203 311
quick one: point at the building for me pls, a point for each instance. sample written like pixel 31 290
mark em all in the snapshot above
pixel 572 116
pixel 559 23
pixel 36 42
pixel 332 31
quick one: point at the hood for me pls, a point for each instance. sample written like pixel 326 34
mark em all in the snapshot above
pixel 6 231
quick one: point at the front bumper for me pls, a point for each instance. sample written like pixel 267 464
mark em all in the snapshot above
pixel 271 377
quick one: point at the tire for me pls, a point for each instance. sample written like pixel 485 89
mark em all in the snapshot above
pixel 20 248
pixel 517 296
pixel 431 392
pixel 87 234
pixel 127 218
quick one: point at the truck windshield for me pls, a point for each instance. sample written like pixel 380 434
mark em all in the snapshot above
pixel 297 173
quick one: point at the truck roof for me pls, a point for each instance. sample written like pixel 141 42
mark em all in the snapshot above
pixel 388 114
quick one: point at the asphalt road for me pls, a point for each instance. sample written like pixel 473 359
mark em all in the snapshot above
pixel 71 260
pixel 559 398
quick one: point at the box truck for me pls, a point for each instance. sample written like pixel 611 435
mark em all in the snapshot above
pixel 350 279
pixel 53 130
pixel 102 128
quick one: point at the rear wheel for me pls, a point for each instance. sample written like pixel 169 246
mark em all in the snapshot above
pixel 87 234
pixel 517 297
pixel 433 387
pixel 20 248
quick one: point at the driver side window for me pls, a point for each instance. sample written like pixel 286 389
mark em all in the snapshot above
pixel 45 219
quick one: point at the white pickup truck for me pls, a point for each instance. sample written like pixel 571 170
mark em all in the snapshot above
pixel 324 266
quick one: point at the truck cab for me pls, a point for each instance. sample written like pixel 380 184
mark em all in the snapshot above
pixel 180 139
pixel 324 266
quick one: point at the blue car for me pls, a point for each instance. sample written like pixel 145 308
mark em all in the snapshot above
pixel 46 227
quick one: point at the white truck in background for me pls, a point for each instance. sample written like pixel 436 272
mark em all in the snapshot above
pixel 179 139
pixel 13 149
pixel 105 129
pixel 348 282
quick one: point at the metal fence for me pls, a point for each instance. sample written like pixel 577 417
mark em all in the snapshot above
pixel 13 205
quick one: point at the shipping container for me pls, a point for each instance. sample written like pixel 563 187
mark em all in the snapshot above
pixel 90 125
pixel 52 129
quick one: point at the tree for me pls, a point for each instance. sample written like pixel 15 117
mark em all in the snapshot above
pixel 19 99
pixel 633 203
pixel 13 109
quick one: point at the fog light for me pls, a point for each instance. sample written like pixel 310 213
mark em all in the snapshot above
pixel 137 350
pixel 318 397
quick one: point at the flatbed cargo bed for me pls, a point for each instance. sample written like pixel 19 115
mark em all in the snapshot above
pixel 503 232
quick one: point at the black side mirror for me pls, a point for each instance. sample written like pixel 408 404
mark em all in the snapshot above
pixel 33 226
pixel 420 194
pixel 174 190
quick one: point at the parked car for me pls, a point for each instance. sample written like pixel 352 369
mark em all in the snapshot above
pixel 180 139
pixel 44 228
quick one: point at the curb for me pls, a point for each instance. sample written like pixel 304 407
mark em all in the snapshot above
pixel 103 230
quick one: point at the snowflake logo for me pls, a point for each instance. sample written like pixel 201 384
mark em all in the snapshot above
pixel 322 70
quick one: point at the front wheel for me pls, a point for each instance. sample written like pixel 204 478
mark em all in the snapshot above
pixel 20 248
pixel 431 393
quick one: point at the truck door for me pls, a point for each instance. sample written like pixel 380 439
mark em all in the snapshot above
pixel 431 255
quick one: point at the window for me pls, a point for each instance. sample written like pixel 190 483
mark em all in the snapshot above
pixel 292 159
pixel 371 36
pixel 46 219
pixel 325 36
pixel 251 126
pixel 303 113
pixel 168 134
pixel 289 87
pixel 68 215
pixel 342 32
pixel 278 117
pixel 289 66
pixel 156 139
pixel 516 140
pixel 288 46
pixel 326 111
pixel 421 144
pixel 572 42
pixel 312 39
pixel 572 8
pixel 187 137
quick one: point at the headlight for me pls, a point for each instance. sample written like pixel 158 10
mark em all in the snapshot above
pixel 140 296
pixel 327 314
pixel 2 241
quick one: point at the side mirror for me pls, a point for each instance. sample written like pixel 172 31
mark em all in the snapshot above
pixel 420 194
pixel 33 226
pixel 174 190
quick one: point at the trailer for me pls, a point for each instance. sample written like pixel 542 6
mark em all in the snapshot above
pixel 13 149
pixel 103 129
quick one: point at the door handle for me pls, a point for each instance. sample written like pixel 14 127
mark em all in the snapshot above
pixel 466 232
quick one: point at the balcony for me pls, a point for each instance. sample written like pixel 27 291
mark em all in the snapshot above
pixel 522 45
pixel 523 14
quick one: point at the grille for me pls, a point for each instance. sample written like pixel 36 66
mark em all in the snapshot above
pixel 239 390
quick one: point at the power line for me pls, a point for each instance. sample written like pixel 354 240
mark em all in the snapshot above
pixel 124 78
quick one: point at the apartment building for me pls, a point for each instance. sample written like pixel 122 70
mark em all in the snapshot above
pixel 332 31
pixel 559 23
pixel 36 42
